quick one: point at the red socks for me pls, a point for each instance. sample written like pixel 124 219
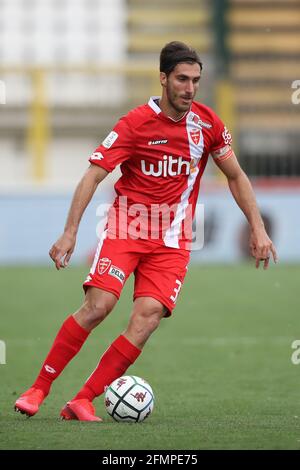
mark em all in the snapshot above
pixel 114 362
pixel 66 345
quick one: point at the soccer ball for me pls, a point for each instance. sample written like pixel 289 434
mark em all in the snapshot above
pixel 129 399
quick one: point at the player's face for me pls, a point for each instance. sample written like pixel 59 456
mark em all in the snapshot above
pixel 181 86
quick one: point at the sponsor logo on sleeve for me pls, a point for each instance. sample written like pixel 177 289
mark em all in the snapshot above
pixel 117 273
pixel 110 139
pixel 226 136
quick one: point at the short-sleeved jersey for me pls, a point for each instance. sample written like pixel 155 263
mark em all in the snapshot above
pixel 162 162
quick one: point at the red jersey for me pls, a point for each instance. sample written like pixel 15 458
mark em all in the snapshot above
pixel 162 162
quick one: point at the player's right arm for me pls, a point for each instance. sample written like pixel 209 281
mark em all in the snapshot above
pixel 114 150
pixel 63 248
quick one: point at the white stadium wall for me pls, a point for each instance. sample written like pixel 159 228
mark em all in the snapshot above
pixel 31 222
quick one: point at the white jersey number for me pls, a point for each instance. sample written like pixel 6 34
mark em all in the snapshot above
pixel 176 291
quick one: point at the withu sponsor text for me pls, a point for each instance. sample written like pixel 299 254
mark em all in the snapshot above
pixel 168 166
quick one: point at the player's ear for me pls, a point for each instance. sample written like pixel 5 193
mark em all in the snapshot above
pixel 163 79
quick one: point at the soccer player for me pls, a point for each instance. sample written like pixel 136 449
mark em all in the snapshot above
pixel 162 147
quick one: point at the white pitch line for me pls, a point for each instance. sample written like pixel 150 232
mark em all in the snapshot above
pixel 238 341
pixel 185 341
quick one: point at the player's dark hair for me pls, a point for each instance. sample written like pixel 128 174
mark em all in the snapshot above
pixel 176 52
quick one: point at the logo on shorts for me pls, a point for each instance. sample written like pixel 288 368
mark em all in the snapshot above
pixel 118 273
pixel 103 265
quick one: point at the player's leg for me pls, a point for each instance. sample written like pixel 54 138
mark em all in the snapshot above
pixel 158 278
pixel 103 286
pixel 144 320
pixel 115 262
pixel 122 353
pixel 69 340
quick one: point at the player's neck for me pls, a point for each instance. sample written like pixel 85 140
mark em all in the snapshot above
pixel 169 111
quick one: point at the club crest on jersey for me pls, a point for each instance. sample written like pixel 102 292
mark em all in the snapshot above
pixel 103 265
pixel 195 135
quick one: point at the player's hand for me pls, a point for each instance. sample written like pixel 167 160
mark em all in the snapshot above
pixel 62 250
pixel 261 247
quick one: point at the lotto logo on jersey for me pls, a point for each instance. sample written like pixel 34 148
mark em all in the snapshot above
pixel 158 142
pixel 226 136
pixel 168 166
pixel 110 139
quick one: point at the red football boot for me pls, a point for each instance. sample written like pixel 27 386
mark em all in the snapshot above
pixel 30 401
pixel 82 410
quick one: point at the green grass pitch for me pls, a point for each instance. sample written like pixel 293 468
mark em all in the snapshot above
pixel 220 368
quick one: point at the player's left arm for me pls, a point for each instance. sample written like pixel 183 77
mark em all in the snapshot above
pixel 261 246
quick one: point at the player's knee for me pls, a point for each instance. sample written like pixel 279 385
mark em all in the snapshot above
pixel 141 326
pixel 146 321
pixel 153 323
pixel 94 312
pixel 149 323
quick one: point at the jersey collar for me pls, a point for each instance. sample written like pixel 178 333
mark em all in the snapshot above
pixel 152 103
pixel 154 106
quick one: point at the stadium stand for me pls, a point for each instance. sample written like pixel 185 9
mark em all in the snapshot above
pixel 152 24
pixel 263 42
pixel 50 52
pixel 72 67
